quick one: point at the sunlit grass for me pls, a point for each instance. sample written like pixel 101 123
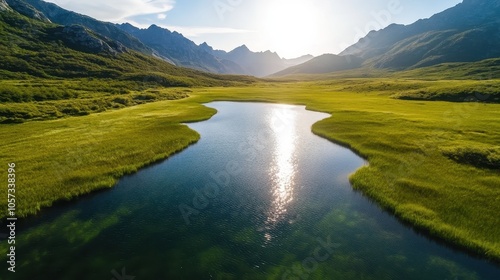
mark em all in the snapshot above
pixel 62 159
pixel 416 150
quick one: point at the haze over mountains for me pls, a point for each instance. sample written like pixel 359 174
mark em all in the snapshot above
pixel 184 52
pixel 256 63
pixel 172 47
pixel 160 42
pixel 468 32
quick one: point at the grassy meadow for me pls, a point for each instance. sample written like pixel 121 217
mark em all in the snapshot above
pixel 434 164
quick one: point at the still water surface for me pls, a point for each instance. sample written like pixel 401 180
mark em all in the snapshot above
pixel 258 197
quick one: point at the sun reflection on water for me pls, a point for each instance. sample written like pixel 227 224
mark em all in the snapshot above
pixel 284 167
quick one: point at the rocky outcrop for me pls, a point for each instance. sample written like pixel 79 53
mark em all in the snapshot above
pixel 4 6
pixel 25 9
pixel 108 30
pixel 177 48
pixel 82 39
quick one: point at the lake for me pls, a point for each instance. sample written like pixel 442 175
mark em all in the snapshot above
pixel 258 197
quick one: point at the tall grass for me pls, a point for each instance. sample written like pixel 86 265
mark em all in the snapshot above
pixel 427 158
pixel 22 101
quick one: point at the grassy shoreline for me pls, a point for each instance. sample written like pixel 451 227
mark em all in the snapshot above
pixel 404 142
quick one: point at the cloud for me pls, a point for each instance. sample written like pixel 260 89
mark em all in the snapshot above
pixel 162 16
pixel 199 31
pixel 192 31
pixel 116 10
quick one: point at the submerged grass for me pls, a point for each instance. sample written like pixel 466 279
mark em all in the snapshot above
pixel 427 158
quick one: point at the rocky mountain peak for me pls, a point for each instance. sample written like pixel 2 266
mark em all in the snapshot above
pixel 26 9
pixel 243 48
pixel 206 47
pixel 154 27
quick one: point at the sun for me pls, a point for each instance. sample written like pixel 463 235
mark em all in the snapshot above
pixel 291 27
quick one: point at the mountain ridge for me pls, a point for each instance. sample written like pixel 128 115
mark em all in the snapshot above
pixel 259 64
pixel 170 46
pixel 65 17
pixel 467 32
pixel 34 48
pixel 454 23
pixel 178 49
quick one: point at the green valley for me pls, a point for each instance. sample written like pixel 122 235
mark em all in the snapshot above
pixel 425 157
pixel 80 110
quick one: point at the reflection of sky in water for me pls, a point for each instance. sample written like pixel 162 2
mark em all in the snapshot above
pixel 283 167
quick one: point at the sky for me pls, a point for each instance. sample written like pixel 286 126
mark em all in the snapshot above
pixel 289 27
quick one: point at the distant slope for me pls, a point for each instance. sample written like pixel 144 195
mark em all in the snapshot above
pixel 257 64
pixel 467 32
pixel 296 61
pixel 437 47
pixel 323 64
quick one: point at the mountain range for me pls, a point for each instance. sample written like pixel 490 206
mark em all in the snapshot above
pixel 256 63
pixel 33 46
pixel 468 32
pixel 184 52
pixel 170 46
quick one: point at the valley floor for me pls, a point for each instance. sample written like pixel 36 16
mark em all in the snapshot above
pixel 432 163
